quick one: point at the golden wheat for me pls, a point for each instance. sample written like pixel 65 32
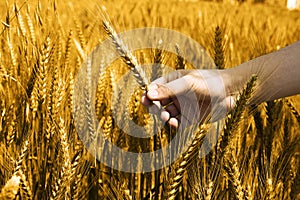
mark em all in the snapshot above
pixel 42 155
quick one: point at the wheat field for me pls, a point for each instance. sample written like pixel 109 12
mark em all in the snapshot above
pixel 44 44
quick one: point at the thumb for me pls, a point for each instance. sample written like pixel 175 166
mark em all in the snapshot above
pixel 158 92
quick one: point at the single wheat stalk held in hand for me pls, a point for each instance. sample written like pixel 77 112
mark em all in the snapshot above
pixel 127 56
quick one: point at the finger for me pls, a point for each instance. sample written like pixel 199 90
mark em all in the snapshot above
pixel 145 101
pixel 174 122
pixel 164 116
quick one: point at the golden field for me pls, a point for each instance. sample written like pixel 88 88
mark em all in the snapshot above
pixel 42 47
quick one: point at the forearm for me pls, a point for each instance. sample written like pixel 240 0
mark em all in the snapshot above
pixel 278 74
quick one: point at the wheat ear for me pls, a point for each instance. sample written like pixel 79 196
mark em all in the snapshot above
pixel 13 55
pixel 233 172
pixel 11 188
pixel 24 186
pixel 219 49
pixel 293 110
pixel 234 116
pixel 68 49
pixel 66 165
pixel 176 175
pixel 158 59
pixel 180 62
pixel 21 25
pixel 76 174
pixel 31 28
pixel 127 56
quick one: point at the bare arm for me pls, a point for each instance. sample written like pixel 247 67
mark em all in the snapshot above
pixel 278 74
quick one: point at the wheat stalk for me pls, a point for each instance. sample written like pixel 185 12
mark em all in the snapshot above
pixel 76 174
pixel 234 116
pixel 88 102
pixel 22 156
pixel 180 166
pixel 31 28
pixel 270 190
pixel 42 70
pixel 127 56
pixel 80 36
pixel 100 93
pixel 180 62
pixel 234 175
pixel 13 69
pixel 11 130
pixel 158 59
pixel 219 49
pixel 66 165
pixel 20 21
pixel 68 49
pixel 71 91
pixel 80 50
pixel 25 187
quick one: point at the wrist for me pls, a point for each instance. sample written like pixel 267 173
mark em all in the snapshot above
pixel 236 79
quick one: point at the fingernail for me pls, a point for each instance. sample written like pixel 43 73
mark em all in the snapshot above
pixel 165 116
pixel 153 93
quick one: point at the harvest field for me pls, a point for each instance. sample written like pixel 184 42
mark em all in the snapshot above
pixel 43 45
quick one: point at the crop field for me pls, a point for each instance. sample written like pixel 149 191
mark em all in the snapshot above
pixel 51 118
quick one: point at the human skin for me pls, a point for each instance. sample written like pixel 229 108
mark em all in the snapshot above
pixel 278 76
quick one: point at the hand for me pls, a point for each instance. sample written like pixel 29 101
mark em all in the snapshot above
pixel 186 97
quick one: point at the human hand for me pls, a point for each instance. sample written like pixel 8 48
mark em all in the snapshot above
pixel 186 97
